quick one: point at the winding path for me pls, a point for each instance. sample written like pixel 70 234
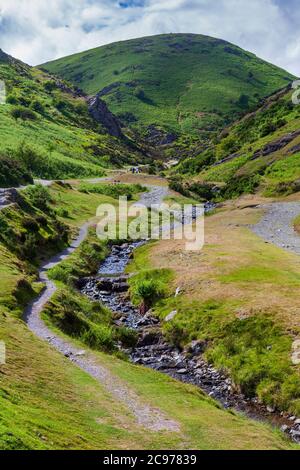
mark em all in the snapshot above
pixel 146 416
pixel 276 225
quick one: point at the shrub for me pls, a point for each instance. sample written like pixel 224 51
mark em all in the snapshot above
pixel 38 107
pixel 61 105
pixel 13 172
pixel 243 101
pixel 62 212
pixel 150 286
pixel 39 196
pixel 114 191
pixel 80 318
pixel 49 86
pixel 23 113
pixel 240 185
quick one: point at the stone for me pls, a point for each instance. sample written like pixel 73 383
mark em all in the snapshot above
pixel 196 347
pixel 171 316
pixel 296 352
pixel 80 354
pixel 100 113
pixel 270 409
pixel 182 371
pixel 284 428
pixel 178 290
pixel 149 338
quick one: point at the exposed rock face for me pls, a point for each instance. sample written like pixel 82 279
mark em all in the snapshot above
pixel 9 196
pixel 74 91
pixel 100 112
pixel 157 136
pixel 276 145
pixel 3 57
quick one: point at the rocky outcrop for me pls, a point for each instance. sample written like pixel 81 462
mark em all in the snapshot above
pixel 100 113
pixel 9 196
pixel 4 58
pixel 157 136
pixel 276 145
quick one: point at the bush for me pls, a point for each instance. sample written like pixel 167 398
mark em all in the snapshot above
pixel 49 86
pixel 204 190
pixel 23 113
pixel 38 107
pixel 13 172
pixel 61 105
pixel 62 212
pixel 114 191
pixel 82 319
pixel 148 287
pixel 39 197
pixel 240 185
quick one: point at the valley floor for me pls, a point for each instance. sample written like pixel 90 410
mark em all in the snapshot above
pixel 48 402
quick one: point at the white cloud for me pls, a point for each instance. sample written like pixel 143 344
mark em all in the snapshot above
pixel 38 30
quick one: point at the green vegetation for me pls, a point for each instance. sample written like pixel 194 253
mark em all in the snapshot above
pixel 48 403
pixel 254 350
pixel 258 153
pixel 83 262
pixel 115 191
pixel 149 286
pixel 12 172
pixel 78 317
pixel 46 126
pixel 30 228
pixel 297 224
pixel 180 86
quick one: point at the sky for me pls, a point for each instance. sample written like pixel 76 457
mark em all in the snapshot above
pixel 36 31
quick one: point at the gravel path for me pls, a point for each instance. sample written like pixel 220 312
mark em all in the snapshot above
pixel 146 416
pixel 276 225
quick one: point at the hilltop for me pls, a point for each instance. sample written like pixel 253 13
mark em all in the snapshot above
pixel 173 89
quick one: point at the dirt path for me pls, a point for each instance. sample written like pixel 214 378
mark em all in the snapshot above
pixel 146 416
pixel 276 225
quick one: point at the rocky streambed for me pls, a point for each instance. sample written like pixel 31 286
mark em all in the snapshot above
pixel 110 287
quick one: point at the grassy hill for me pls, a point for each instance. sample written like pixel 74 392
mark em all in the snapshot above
pixel 177 85
pixel 260 152
pixel 45 127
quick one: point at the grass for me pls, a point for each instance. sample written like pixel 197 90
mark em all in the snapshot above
pixel 183 83
pixel 48 403
pixel 272 174
pixel 115 191
pixel 149 286
pixel 239 295
pixel 78 206
pixel 60 140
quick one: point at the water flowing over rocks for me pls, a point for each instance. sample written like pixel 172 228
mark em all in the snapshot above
pixel 152 350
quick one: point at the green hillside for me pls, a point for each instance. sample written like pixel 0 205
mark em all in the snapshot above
pixel 46 127
pixel 261 152
pixel 178 83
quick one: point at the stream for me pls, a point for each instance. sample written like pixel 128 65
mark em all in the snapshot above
pixel 110 287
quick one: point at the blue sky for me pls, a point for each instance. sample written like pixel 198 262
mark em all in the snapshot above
pixel 40 30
